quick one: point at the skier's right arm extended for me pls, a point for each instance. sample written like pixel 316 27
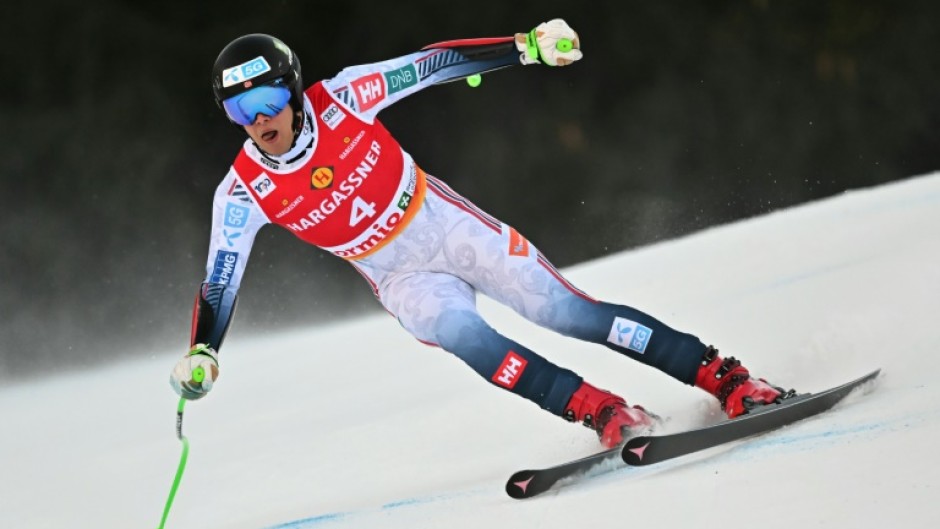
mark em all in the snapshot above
pixel 362 88
pixel 235 222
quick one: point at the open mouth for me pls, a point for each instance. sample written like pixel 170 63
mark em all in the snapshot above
pixel 269 136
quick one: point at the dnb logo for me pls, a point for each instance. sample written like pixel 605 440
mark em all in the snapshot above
pixel 630 334
pixel 510 370
pixel 400 79
pixel 321 177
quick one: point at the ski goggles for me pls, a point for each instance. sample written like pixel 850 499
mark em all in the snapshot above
pixel 269 99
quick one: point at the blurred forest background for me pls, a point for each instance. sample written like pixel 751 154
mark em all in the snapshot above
pixel 682 115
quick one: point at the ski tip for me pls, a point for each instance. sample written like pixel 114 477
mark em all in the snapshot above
pixel 870 377
pixel 518 486
pixel 865 379
pixel 634 451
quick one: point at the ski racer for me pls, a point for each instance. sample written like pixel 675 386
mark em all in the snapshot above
pixel 320 164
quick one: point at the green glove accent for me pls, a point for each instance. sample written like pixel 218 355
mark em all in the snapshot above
pixel 199 374
pixel 564 45
pixel 532 46
pixel 199 349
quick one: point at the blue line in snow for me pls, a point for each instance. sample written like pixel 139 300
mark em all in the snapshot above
pixel 310 522
pixel 333 517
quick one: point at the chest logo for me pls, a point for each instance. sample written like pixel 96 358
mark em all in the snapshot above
pixel 263 185
pixel 321 177
pixel 333 116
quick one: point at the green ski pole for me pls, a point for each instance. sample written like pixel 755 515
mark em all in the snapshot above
pixel 182 465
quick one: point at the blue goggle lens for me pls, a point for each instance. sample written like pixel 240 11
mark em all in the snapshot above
pixel 269 100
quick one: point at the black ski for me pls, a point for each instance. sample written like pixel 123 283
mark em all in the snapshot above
pixel 528 483
pixel 647 450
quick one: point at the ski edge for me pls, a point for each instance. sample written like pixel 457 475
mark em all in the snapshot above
pixel 632 450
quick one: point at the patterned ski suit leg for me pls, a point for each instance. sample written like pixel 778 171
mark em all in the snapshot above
pixel 428 277
pixel 440 309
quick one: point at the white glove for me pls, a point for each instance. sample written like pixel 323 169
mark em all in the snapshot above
pixel 195 373
pixel 553 43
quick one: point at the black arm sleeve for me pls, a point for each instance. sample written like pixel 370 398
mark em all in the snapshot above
pixel 471 56
pixel 212 314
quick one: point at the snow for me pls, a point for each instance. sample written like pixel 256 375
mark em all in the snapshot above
pixel 358 425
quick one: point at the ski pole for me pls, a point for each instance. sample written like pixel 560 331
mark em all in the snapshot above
pixel 183 457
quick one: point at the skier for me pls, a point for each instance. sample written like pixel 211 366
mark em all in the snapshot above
pixel 319 163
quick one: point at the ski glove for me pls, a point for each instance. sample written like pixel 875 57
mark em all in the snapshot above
pixel 553 43
pixel 195 373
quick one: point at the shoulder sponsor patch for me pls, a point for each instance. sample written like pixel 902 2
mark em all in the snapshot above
pixel 630 335
pixel 333 116
pixel 236 216
pixel 400 79
pixel 263 185
pixel 518 245
pixel 369 90
pixel 245 71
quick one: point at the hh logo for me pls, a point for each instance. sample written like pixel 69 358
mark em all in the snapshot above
pixel 369 91
pixel 510 370
pixel 518 245
pixel 321 177
pixel 630 334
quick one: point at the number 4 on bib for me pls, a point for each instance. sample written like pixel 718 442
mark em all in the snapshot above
pixel 360 210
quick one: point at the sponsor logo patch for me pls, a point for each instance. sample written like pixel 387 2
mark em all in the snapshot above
pixel 236 216
pixel 510 370
pixel 404 201
pixel 333 116
pixel 351 144
pixel 224 267
pixel 518 245
pixel 263 185
pixel 400 79
pixel 369 91
pixel 245 71
pixel 630 334
pixel 321 177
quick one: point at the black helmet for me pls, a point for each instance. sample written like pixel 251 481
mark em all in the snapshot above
pixel 254 60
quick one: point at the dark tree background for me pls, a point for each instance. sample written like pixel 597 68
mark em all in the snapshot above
pixel 682 115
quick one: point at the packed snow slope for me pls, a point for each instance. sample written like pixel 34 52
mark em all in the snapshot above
pixel 358 425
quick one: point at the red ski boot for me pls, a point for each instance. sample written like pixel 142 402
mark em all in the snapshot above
pixel 732 384
pixel 608 415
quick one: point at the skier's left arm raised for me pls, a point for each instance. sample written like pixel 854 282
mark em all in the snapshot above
pixel 369 88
